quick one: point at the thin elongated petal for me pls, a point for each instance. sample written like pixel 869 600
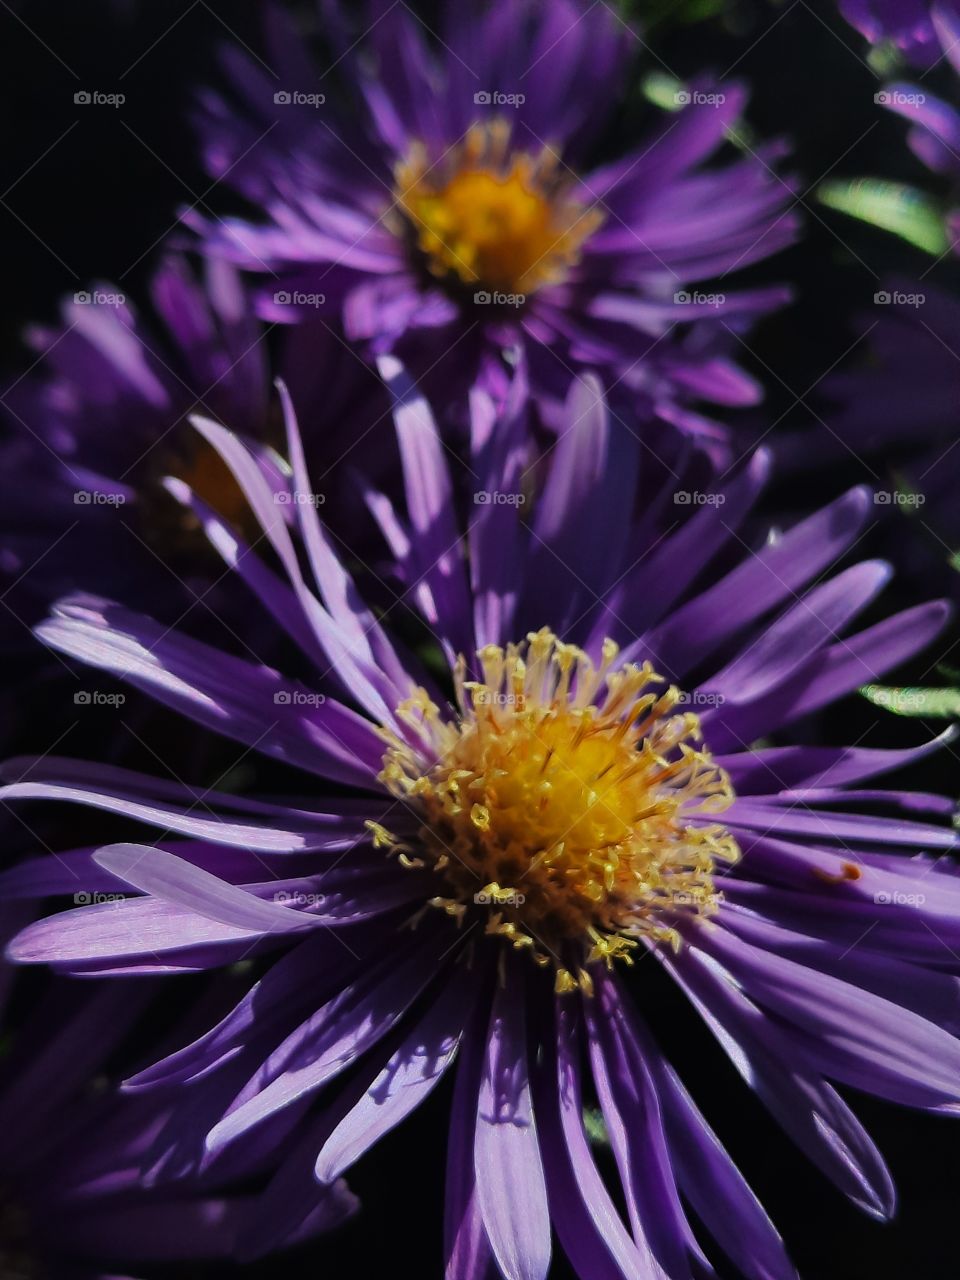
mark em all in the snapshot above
pixel 510 1180
pixel 401 1084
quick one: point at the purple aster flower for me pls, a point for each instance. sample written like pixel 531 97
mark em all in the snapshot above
pixel 496 843
pixel 900 395
pixel 894 414
pixel 909 24
pixel 452 202
pixel 99 424
pixel 101 417
pixel 100 420
pixel 935 133
pixel 73 1200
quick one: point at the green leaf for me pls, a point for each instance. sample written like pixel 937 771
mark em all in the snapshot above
pixel 652 13
pixel 937 704
pixel 595 1126
pixel 891 206
pixel 662 89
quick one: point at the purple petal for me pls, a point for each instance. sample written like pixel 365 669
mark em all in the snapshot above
pixel 398 1087
pixel 510 1182
pixel 810 1111
pixel 327 1043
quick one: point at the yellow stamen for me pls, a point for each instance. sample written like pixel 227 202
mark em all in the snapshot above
pixel 567 803
pixel 488 215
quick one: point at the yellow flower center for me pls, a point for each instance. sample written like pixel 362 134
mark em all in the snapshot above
pixel 172 528
pixel 212 481
pixel 16 1260
pixel 486 215
pixel 567 804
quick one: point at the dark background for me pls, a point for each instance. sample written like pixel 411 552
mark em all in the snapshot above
pixel 88 194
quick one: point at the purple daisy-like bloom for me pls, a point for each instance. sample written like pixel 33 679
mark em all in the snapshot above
pixel 895 412
pixel 74 1204
pixel 902 393
pixel 102 416
pixel 897 406
pixel 101 420
pixel 519 834
pixel 453 200
pixel 909 24
pixel 935 133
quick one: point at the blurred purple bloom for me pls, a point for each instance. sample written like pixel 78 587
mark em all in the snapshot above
pixel 935 134
pixel 100 422
pixel 909 24
pixel 75 1203
pixel 902 390
pixel 101 417
pixel 894 411
pixel 452 203
pixel 553 820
